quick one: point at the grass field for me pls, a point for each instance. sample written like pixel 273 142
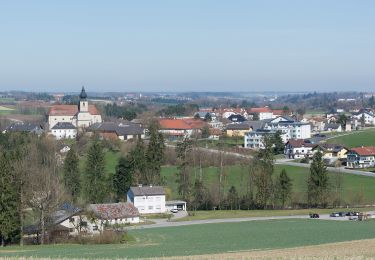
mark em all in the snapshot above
pixel 355 139
pixel 353 188
pixel 211 239
pixel 5 110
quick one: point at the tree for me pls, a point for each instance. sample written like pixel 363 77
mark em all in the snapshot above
pixel 137 158
pixel 371 102
pixel 286 111
pixel 342 121
pixel 232 198
pixel 95 185
pixel 184 181
pixel 205 131
pixel 154 155
pixel 208 117
pixel 262 173
pixel 199 195
pixel 278 144
pixel 71 176
pixel 9 200
pixel 123 178
pixel 284 187
pixel 318 182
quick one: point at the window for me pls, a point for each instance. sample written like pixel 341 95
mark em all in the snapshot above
pixel 95 228
pixel 150 207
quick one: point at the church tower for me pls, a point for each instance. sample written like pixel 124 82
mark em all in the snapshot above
pixel 83 103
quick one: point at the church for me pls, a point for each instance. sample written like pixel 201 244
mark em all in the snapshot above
pixel 62 118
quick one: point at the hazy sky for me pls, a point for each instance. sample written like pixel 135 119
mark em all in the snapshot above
pixel 197 45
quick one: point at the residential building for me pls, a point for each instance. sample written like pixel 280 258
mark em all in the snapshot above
pixel 123 130
pixel 25 127
pixel 237 118
pixel 254 139
pixel 298 148
pixel 81 116
pixel 261 113
pixel 361 157
pixel 331 151
pixel 147 199
pixel 289 128
pixel 332 127
pixel 364 116
pixel 64 130
pixel 175 129
pixel 175 204
pixel 115 213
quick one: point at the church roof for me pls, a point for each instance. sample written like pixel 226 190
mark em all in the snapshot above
pixel 69 110
pixel 83 94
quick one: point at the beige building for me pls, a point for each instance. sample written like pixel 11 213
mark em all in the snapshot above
pixel 81 116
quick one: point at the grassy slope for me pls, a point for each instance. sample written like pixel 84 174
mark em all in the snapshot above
pixel 236 176
pixel 212 238
pixel 356 139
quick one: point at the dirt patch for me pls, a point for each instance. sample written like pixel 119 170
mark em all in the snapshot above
pixel 359 249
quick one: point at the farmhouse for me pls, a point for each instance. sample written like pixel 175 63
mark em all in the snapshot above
pixel 81 116
pixel 123 130
pixel 175 129
pixel 25 127
pixel 361 157
pixel 298 148
pixel 64 130
pixel 147 199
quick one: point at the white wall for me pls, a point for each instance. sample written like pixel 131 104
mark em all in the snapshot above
pixel 149 204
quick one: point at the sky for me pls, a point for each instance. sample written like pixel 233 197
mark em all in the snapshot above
pixel 187 45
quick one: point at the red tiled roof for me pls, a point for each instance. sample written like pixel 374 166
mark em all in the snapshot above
pixel 278 112
pixel 69 110
pixel 366 150
pixel 114 210
pixel 260 110
pixel 181 124
pixel 299 143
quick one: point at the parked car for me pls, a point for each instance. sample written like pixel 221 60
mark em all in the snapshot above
pixel 314 215
pixel 334 214
pixel 342 214
pixel 174 210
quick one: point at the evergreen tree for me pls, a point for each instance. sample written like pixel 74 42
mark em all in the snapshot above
pixel 262 173
pixel 184 180
pixel 95 184
pixel 138 161
pixel 232 198
pixel 205 131
pixel 154 155
pixel 9 201
pixel 278 144
pixel 342 120
pixel 122 179
pixel 208 117
pixel 318 182
pixel 71 176
pixel 284 187
pixel 199 195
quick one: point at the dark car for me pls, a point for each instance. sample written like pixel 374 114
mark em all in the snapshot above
pixel 334 214
pixel 342 214
pixel 314 215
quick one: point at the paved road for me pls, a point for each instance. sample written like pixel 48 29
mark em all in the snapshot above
pixel 164 223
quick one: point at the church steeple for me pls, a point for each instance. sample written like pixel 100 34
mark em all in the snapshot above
pixel 83 94
pixel 83 104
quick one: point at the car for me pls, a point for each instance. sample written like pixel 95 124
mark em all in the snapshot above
pixel 174 210
pixel 342 214
pixel 314 215
pixel 334 214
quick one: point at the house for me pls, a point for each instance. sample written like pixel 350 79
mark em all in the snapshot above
pixel 81 115
pixel 331 151
pixel 254 139
pixel 114 213
pixel 174 129
pixel 361 157
pixel 203 114
pixel 25 127
pixel 123 130
pixel 147 199
pixel 289 128
pixel 240 129
pixel 298 148
pixel 261 113
pixel 215 134
pixel 332 127
pixel 227 112
pixel 64 130
pixel 364 116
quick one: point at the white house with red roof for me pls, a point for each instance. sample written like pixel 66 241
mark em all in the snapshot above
pixel 81 116
pixel 298 148
pixel 361 157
